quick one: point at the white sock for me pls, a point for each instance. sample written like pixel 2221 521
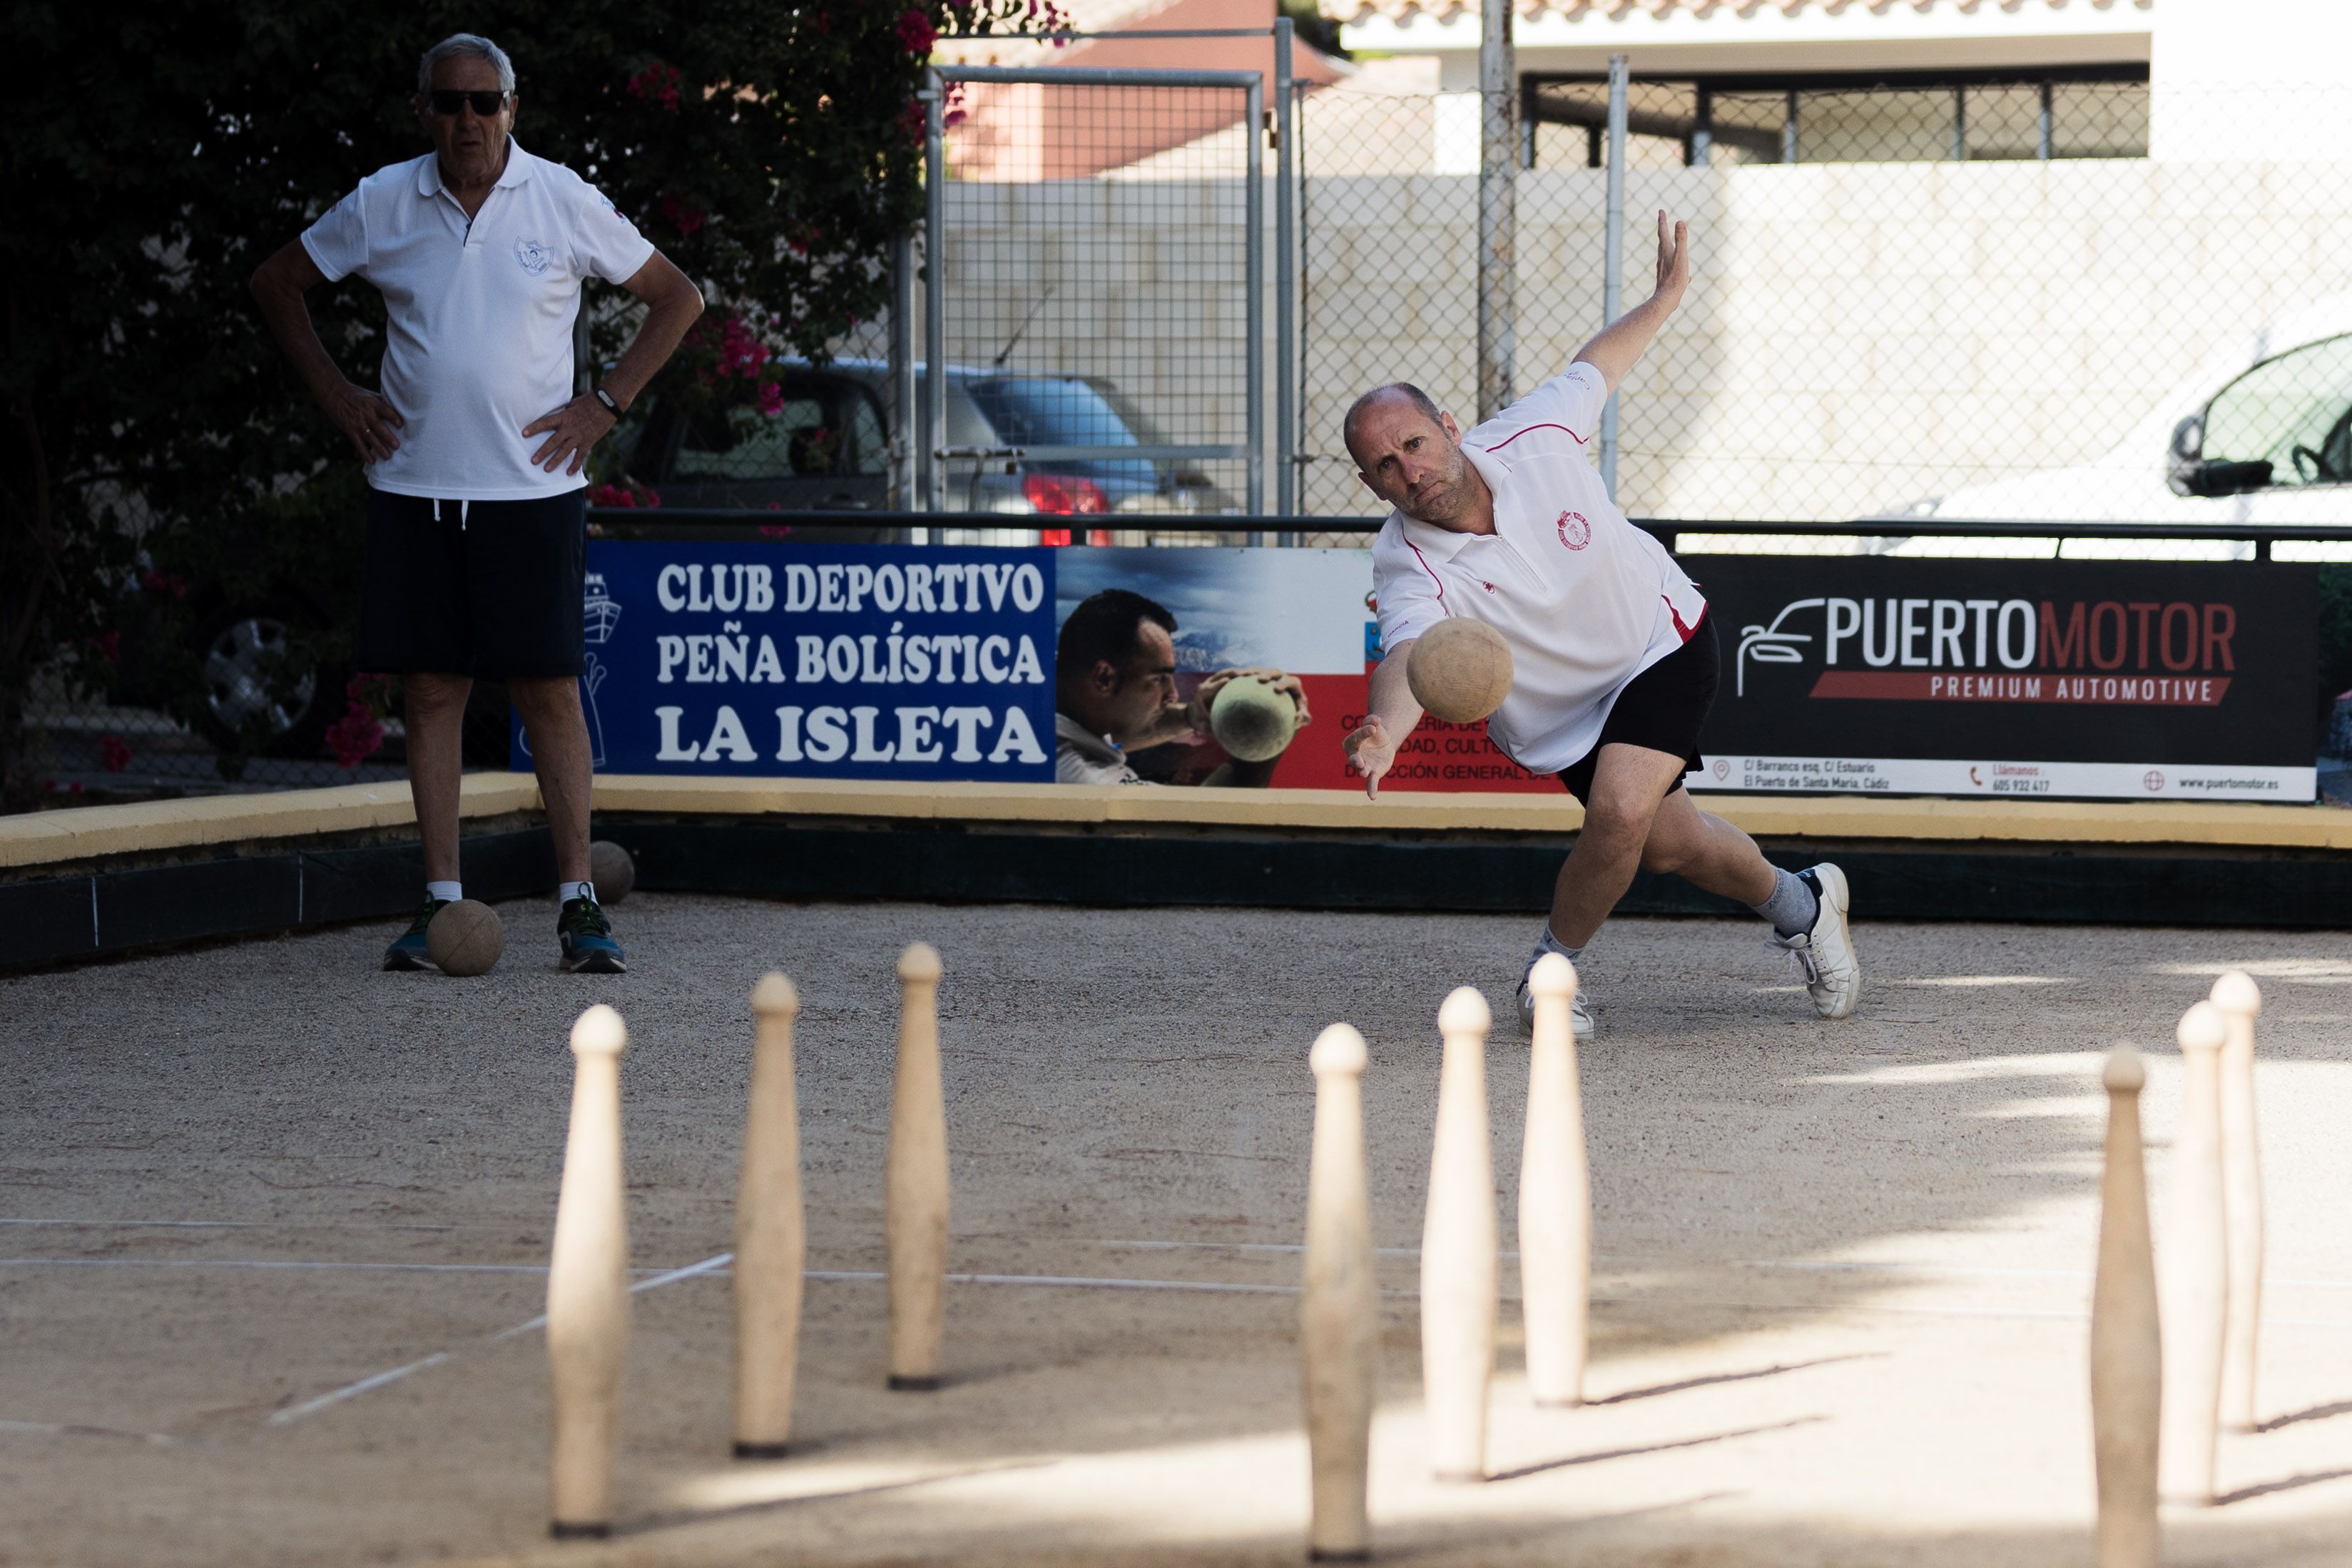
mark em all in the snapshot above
pixel 445 892
pixel 1793 908
pixel 1550 944
pixel 571 890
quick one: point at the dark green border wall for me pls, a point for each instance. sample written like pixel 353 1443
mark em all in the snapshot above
pixel 119 909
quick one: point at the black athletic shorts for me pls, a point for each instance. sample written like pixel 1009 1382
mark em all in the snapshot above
pixel 1662 708
pixel 490 588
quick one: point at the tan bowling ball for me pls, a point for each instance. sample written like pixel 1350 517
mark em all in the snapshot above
pixel 1460 669
pixel 465 938
pixel 1252 721
pixel 612 870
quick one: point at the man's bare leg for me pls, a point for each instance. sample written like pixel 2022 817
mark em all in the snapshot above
pixel 560 753
pixel 1701 848
pixel 436 717
pixel 1629 788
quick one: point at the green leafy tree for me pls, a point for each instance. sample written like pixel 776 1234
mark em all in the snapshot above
pixel 153 443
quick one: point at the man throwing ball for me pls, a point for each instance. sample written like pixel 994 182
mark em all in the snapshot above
pixel 1613 657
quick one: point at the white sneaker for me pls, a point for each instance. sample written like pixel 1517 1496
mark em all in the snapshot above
pixel 1824 955
pixel 1580 1016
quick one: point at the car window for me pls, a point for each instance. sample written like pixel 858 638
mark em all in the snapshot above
pixel 869 450
pixel 2294 412
pixel 745 444
pixel 1049 411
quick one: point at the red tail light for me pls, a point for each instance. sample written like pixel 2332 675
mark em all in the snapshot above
pixel 1063 495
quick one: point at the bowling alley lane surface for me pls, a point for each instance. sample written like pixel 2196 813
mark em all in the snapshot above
pixel 273 1228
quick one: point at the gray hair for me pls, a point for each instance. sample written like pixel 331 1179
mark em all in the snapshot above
pixel 462 44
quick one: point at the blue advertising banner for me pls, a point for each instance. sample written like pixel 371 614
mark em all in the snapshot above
pixel 818 661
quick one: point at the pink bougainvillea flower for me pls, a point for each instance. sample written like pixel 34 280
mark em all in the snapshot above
pixel 684 218
pixel 772 398
pixel 110 646
pixel 658 83
pixel 354 737
pixel 916 34
pixel 114 753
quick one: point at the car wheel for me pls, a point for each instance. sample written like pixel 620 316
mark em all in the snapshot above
pixel 242 651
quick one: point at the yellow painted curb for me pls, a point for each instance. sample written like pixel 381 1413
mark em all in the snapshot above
pixel 93 832
pixel 54 837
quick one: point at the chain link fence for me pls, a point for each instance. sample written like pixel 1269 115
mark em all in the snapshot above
pixel 1979 299
pixel 1100 245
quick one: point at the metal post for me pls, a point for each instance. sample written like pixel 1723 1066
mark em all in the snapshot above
pixel 1498 147
pixel 1789 130
pixel 935 328
pixel 1285 280
pixel 902 374
pixel 1960 125
pixel 1702 142
pixel 2042 138
pixel 1254 193
pixel 1612 255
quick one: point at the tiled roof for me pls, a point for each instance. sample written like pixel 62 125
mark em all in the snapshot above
pixel 1575 10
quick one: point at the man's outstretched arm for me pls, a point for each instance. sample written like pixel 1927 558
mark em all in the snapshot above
pixel 1622 343
pixel 1371 746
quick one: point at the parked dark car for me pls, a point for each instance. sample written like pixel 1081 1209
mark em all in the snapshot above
pixel 825 448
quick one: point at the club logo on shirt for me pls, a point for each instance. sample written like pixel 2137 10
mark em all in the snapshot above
pixel 533 256
pixel 1574 531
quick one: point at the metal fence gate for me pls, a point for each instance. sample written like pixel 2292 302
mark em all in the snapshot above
pixel 1093 294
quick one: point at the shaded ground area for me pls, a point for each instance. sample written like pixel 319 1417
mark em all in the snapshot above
pixel 1841 1278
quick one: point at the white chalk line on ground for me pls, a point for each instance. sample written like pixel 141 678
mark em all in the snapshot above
pixel 333 1396
pixel 718 1265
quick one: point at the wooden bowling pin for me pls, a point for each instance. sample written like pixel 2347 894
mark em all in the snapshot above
pixel 915 1179
pixel 2126 1366
pixel 2197 1265
pixel 2242 1197
pixel 771 1235
pixel 1338 1312
pixel 588 1285
pixel 1555 1197
pixel 1460 1250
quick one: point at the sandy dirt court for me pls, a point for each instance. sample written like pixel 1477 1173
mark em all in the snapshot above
pixel 275 1226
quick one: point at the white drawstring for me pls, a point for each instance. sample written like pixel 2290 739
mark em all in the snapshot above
pixel 461 512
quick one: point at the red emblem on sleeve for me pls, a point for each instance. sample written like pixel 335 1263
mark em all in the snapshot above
pixel 1574 531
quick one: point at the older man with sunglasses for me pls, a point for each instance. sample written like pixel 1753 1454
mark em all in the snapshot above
pixel 474 444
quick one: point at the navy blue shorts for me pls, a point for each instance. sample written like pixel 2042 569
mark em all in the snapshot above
pixel 494 591
pixel 1663 707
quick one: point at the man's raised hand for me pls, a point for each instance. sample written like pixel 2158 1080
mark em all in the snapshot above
pixel 1674 257
pixel 1371 753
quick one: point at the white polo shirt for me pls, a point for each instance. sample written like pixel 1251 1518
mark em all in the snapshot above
pixel 1585 600
pixel 480 337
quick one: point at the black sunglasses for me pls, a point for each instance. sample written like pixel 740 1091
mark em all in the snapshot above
pixel 486 104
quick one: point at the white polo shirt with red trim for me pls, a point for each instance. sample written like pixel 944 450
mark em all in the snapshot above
pixel 1585 600
pixel 479 333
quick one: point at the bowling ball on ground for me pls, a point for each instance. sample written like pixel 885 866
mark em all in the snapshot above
pixel 465 938
pixel 610 867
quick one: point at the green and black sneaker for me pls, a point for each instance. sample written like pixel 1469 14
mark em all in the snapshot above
pixel 586 932
pixel 408 951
